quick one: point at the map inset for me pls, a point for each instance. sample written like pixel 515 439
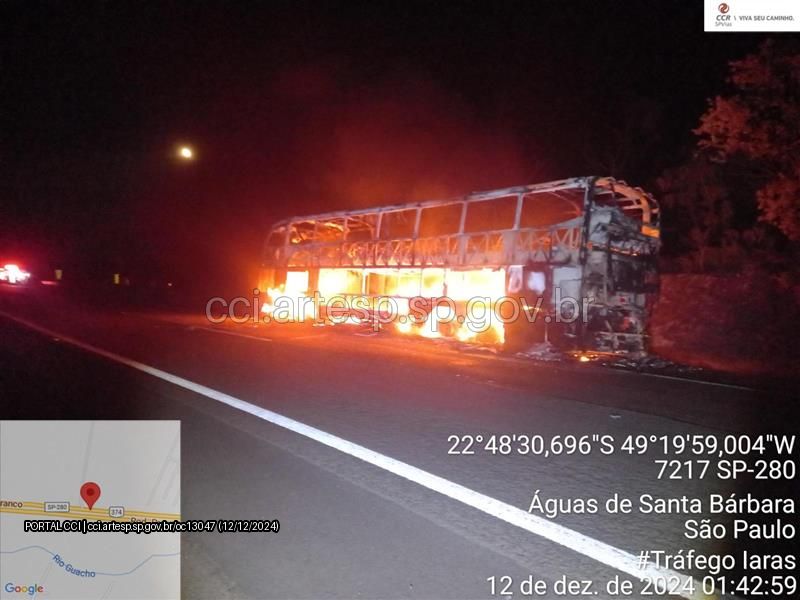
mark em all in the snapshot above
pixel 126 471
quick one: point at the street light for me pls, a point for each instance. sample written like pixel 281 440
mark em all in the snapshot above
pixel 186 153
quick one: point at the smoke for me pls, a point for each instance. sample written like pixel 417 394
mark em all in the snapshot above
pixel 396 139
pixel 313 138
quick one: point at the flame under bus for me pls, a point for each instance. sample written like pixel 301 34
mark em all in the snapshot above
pixel 594 240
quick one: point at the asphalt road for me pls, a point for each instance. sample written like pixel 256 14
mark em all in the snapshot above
pixel 350 529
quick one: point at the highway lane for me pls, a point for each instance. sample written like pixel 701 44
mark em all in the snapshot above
pixel 347 530
pixel 402 399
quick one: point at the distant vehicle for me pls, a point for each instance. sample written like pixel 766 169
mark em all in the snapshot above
pixel 13 274
pixel 590 240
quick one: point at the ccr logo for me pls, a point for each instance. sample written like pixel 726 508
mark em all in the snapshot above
pixel 29 590
pixel 723 18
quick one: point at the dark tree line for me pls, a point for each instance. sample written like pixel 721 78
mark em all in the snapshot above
pixel 736 202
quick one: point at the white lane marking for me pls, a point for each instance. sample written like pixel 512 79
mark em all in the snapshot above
pixel 569 538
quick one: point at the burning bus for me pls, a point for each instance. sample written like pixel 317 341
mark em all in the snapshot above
pixel 571 262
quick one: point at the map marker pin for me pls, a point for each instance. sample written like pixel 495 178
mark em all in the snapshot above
pixel 90 492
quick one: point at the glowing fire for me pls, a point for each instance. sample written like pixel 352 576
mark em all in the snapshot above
pixel 403 326
pixel 446 318
pixel 295 292
pixel 430 328
pixel 465 334
pixel 267 307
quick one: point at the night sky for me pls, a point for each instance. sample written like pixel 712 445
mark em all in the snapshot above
pixel 294 110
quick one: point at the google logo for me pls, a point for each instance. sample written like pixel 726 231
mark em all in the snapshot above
pixel 24 589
